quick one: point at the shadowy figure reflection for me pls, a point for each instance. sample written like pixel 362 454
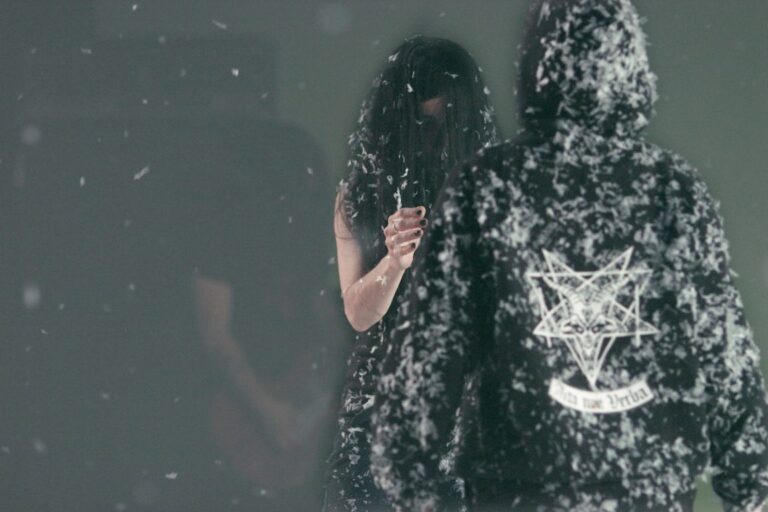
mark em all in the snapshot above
pixel 263 314
pixel 120 153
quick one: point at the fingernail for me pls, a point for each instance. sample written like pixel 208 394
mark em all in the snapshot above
pixel 423 222
pixel 413 245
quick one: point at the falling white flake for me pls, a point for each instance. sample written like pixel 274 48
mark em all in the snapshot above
pixel 86 51
pixel 219 24
pixel 82 181
pixel 310 171
pixel 172 476
pixel 39 446
pixel 31 295
pixel 141 173
pixel 31 135
pixel 235 72
pixel 398 199
pixel 544 11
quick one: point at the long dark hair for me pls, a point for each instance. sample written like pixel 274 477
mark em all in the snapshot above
pixel 399 156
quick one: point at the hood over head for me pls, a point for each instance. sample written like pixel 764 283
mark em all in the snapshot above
pixel 585 62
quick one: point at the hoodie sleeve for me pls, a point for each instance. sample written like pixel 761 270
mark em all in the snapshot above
pixel 738 414
pixel 437 338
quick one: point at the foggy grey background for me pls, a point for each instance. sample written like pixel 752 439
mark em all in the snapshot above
pixel 313 64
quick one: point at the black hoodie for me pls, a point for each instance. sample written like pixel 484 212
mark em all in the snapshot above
pixel 581 275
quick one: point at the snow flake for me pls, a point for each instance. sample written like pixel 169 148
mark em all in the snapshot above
pixel 31 295
pixel 143 172
pixel 39 446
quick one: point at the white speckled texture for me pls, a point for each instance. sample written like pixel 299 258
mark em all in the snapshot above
pixel 583 185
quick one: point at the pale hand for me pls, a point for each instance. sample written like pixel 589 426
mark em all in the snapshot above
pixel 403 234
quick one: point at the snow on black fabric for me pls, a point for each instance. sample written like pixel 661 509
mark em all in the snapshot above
pixel 581 275
pixel 390 166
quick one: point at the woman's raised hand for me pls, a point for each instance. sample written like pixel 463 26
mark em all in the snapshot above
pixel 403 234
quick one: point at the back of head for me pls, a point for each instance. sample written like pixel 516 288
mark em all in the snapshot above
pixel 585 62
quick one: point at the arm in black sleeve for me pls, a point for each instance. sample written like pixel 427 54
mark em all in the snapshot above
pixel 438 335
pixel 738 413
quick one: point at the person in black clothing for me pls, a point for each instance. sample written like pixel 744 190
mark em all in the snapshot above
pixel 583 273
pixel 426 112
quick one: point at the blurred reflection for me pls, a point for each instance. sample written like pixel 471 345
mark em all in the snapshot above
pixel 262 312
pixel 137 390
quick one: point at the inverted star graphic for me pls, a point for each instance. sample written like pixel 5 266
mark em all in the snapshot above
pixel 593 309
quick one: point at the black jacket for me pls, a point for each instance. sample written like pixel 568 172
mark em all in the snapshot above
pixel 581 274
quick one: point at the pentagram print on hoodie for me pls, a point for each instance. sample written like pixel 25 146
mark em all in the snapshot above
pixel 583 274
